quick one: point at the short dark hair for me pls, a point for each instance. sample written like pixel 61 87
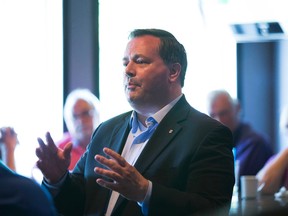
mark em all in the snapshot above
pixel 170 50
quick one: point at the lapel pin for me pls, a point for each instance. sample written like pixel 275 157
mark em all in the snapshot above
pixel 170 131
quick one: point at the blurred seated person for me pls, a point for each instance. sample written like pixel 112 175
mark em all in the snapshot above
pixel 252 148
pixel 82 117
pixel 8 142
pixel 274 174
pixel 20 195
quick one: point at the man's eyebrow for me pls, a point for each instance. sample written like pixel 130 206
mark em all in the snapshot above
pixel 126 58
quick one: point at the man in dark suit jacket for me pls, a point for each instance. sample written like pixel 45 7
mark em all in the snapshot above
pixel 185 167
pixel 22 196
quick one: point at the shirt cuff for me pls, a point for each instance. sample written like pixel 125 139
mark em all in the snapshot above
pixel 145 203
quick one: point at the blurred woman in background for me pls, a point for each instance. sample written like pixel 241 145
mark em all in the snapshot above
pixel 8 142
pixel 274 174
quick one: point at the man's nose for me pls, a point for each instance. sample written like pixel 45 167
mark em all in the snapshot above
pixel 130 69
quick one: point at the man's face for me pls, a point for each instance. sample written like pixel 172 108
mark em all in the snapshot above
pixel 146 77
pixel 222 110
pixel 83 119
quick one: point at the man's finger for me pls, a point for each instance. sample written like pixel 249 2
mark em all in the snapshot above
pixel 121 161
pixel 106 184
pixel 41 143
pixel 39 153
pixel 50 142
pixel 67 150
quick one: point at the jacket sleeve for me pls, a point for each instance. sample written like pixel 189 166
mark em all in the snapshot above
pixel 207 184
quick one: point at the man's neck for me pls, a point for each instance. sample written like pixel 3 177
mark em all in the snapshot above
pixel 82 143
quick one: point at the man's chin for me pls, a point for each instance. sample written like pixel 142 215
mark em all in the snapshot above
pixel 132 97
pixel 83 134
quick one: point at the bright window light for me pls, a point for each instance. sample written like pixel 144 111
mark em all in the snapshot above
pixel 211 52
pixel 203 26
pixel 31 73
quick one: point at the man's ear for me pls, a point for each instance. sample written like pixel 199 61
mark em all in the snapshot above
pixel 175 70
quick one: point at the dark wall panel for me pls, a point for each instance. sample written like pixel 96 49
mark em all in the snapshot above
pixel 81 45
pixel 261 89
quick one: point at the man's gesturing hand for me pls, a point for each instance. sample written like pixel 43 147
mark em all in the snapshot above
pixel 53 161
pixel 125 179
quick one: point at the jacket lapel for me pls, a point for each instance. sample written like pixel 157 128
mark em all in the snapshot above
pixel 168 128
pixel 120 134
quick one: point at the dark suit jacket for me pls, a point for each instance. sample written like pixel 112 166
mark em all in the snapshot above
pixel 188 159
pixel 20 195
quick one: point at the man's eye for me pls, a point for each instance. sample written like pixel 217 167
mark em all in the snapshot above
pixel 140 61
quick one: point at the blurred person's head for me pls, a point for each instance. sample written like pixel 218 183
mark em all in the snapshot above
pixel 81 113
pixel 225 109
